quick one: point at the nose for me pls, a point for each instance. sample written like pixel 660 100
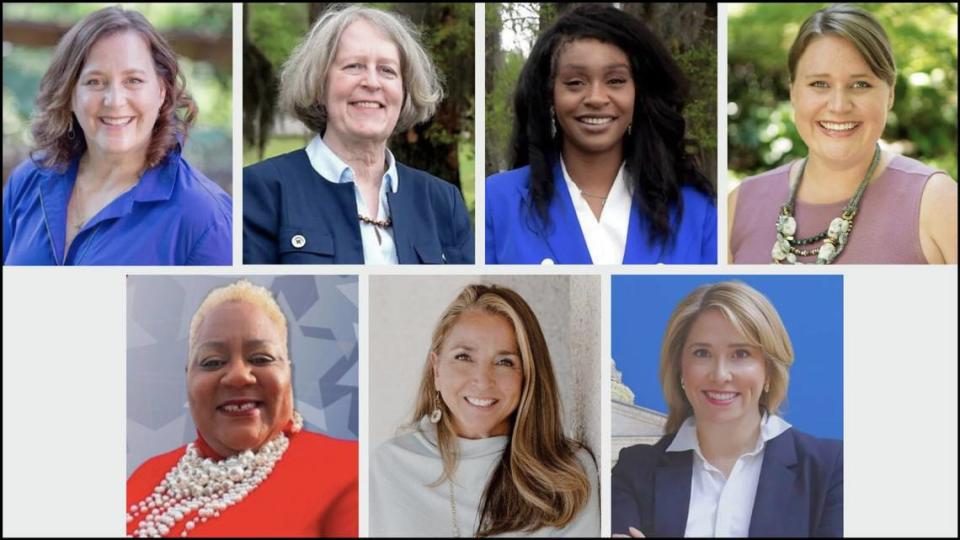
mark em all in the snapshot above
pixel 839 100
pixel 238 373
pixel 721 370
pixel 483 375
pixel 113 95
pixel 597 96
pixel 371 79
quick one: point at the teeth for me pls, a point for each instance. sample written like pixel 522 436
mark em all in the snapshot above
pixel 721 396
pixel 240 408
pixel 596 121
pixel 367 104
pixel 846 126
pixel 116 121
pixel 480 402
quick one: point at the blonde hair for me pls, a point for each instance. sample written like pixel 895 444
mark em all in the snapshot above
pixel 539 481
pixel 303 80
pixel 241 291
pixel 753 316
pixel 855 25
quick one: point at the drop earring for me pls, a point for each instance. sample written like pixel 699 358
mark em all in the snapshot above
pixel 437 413
pixel 553 123
pixel 70 134
pixel 629 129
pixel 682 387
pixel 766 387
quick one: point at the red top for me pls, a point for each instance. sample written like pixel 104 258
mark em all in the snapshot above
pixel 312 491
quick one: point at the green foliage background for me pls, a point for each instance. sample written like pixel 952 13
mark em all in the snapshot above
pixel 922 125
pixel 208 147
pixel 698 60
pixel 277 28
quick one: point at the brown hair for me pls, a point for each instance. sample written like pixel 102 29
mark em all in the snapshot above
pixel 57 135
pixel 539 481
pixel 755 319
pixel 855 25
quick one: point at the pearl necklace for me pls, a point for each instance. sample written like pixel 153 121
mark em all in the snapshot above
pixel 205 487
pixel 785 250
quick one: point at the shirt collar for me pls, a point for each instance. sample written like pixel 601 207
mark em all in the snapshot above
pixel 335 170
pixel 771 426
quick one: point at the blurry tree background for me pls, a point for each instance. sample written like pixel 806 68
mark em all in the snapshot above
pixel 443 145
pixel 200 34
pixel 922 124
pixel 687 29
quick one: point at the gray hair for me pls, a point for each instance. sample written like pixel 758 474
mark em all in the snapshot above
pixel 304 76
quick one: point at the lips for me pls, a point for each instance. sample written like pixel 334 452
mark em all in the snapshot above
pixel 482 403
pixel 240 407
pixel 720 398
pixel 367 104
pixel 838 129
pixel 116 121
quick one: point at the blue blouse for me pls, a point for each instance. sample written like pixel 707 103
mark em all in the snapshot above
pixel 173 216
pixel 515 233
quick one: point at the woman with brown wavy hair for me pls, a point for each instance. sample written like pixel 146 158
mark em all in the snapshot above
pixel 486 453
pixel 105 183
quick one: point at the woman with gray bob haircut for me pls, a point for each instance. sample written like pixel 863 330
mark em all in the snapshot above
pixel 359 76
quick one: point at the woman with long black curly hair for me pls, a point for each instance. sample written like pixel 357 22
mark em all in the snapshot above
pixel 601 171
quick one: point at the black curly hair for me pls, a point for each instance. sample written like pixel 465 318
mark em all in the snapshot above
pixel 657 162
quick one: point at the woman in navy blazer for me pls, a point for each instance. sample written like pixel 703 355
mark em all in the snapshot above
pixel 724 367
pixel 601 170
pixel 359 76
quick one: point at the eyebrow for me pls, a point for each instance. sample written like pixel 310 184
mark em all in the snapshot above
pixel 472 349
pixel 379 60
pixel 705 344
pixel 100 72
pixel 852 76
pixel 606 67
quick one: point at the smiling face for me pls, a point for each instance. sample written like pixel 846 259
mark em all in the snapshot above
pixel 364 90
pixel 593 96
pixel 723 375
pixel 840 105
pixel 118 96
pixel 479 374
pixel 238 379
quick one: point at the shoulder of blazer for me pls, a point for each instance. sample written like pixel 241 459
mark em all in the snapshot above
pixel 794 446
pixel 508 183
pixel 424 180
pixel 646 456
pixel 291 165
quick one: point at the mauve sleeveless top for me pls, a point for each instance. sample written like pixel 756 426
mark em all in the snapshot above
pixel 886 229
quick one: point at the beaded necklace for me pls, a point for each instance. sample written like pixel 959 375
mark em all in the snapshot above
pixel 786 248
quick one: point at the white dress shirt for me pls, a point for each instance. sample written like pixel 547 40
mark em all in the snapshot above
pixel 607 237
pixel 335 170
pixel 722 507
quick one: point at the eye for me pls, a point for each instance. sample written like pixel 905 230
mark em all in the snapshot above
pixel 388 70
pixel 574 84
pixel 617 81
pixel 211 362
pixel 261 359
pixel 462 357
pixel 506 362
pixel 862 85
pixel 92 82
pixel 135 81
pixel 740 354
pixel 701 353
pixel 353 67
pixel 820 84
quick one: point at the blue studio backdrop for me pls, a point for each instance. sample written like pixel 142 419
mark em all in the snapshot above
pixel 811 308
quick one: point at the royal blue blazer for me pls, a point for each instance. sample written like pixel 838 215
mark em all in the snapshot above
pixel 515 233
pixel 173 216
pixel 284 196
pixel 800 492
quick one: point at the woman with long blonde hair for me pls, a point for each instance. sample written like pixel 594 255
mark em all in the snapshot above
pixel 486 452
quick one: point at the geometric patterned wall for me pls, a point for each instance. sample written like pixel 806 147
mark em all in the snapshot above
pixel 322 315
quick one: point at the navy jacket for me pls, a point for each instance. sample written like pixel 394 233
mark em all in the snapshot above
pixel 515 233
pixel 800 491
pixel 284 196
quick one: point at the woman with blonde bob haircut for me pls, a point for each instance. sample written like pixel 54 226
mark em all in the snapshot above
pixel 486 452
pixel 725 369
pixel 358 77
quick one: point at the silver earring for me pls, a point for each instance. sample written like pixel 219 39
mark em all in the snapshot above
pixel 629 128
pixel 297 423
pixel 766 387
pixel 553 123
pixel 437 413
pixel 70 134
pixel 682 387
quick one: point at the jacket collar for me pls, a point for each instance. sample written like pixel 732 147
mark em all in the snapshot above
pixel 672 481
pixel 775 491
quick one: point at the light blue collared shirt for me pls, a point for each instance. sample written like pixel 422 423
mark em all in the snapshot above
pixel 333 169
